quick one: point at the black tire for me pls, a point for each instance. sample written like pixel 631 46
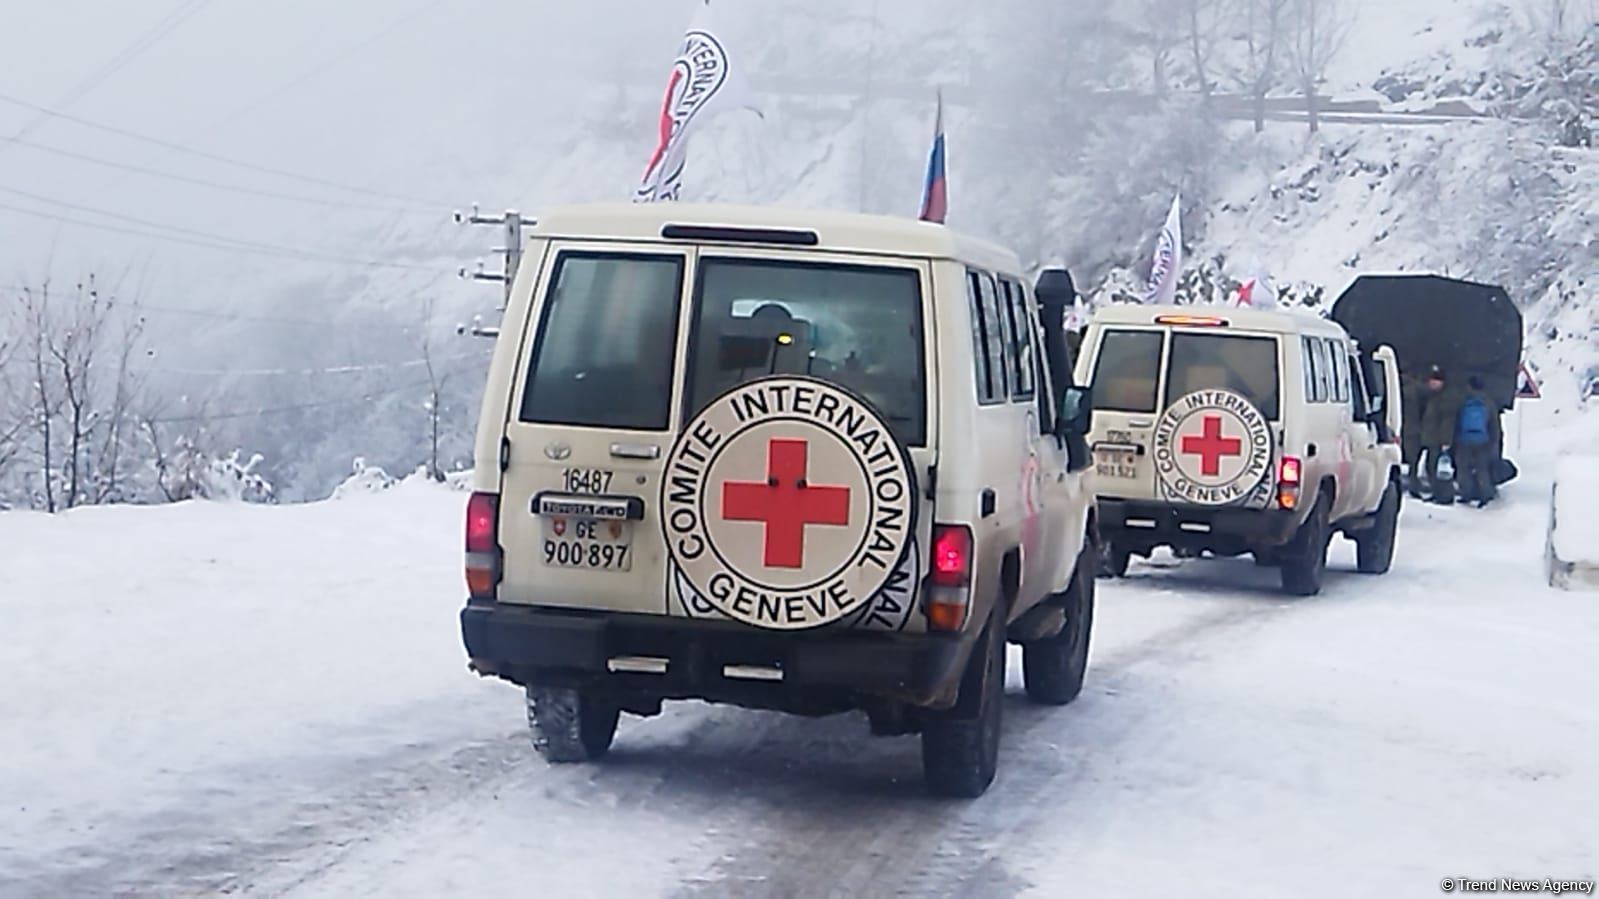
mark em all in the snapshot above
pixel 1053 668
pixel 1113 560
pixel 960 752
pixel 570 726
pixel 1304 560
pixel 1374 549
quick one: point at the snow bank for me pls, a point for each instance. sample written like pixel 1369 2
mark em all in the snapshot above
pixel 1573 555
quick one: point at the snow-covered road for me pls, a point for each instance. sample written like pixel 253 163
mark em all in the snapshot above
pixel 273 700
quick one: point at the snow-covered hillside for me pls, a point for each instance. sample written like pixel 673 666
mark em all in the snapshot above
pixel 313 361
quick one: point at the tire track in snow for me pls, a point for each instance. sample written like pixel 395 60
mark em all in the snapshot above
pixel 805 837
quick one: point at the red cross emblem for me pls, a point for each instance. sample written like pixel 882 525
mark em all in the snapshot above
pixel 786 503
pixel 1211 446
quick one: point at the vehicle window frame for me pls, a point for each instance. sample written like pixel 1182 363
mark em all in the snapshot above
pixel 1271 414
pixel 991 310
pixel 547 308
pixel 1162 337
pixel 1023 337
pixel 706 258
pixel 989 393
pixel 1339 353
pixel 1319 364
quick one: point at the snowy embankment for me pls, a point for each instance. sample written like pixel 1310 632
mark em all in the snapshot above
pixel 1574 524
pixel 233 698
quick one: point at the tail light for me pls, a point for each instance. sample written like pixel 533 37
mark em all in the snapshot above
pixel 949 582
pixel 1290 475
pixel 482 545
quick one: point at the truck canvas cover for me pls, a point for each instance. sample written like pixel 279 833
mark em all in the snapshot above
pixel 1465 327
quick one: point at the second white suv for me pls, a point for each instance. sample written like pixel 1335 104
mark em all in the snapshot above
pixel 1232 431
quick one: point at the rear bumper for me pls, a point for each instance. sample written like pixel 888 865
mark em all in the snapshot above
pixel 1144 526
pixel 550 647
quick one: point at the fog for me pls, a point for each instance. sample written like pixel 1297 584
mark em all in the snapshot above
pixel 262 292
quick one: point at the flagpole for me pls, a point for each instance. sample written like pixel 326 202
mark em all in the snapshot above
pixel 866 108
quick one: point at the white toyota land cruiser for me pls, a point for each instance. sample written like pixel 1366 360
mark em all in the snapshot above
pixel 1228 431
pixel 798 461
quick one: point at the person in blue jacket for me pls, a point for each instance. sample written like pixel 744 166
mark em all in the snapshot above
pixel 1476 439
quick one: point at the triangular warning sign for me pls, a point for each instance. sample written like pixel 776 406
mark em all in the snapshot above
pixel 1527 384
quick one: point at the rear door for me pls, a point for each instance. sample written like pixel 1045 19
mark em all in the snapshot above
pixel 589 425
pixel 1126 377
pixel 861 322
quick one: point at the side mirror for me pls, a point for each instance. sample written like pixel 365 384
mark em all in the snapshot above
pixel 1075 417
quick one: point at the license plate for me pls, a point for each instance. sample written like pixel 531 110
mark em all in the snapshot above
pixel 588 543
pixel 1117 463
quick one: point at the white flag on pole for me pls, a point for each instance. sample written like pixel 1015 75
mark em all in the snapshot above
pixel 1163 272
pixel 704 79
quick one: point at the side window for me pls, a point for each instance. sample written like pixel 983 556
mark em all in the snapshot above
pixel 1340 370
pixel 999 356
pixel 990 386
pixel 1310 370
pixel 1023 381
pixel 1320 367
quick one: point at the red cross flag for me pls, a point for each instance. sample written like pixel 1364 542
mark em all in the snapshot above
pixel 704 80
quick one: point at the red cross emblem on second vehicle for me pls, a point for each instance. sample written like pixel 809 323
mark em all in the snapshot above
pixel 1212 448
pixel 787 503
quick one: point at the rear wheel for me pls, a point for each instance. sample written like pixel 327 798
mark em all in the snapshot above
pixel 569 725
pixel 1053 668
pixel 1374 549
pixel 1304 561
pixel 960 748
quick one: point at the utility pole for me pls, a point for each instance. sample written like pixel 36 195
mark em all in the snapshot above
pixel 512 223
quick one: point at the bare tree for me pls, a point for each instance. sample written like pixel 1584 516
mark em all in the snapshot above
pixel 1202 23
pixel 43 402
pixel 1318 31
pixel 1161 35
pixel 436 383
pixel 76 407
pixel 1264 26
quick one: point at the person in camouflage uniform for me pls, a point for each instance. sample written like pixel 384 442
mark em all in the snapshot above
pixel 1438 432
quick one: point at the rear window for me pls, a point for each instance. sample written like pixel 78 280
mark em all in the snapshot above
pixel 1244 365
pixel 857 326
pixel 605 347
pixel 1127 372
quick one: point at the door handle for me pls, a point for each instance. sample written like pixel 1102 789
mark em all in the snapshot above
pixel 988 501
pixel 635 451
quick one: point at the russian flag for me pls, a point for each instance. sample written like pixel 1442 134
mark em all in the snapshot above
pixel 935 198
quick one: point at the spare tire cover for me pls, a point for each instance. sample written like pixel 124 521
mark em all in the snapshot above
pixel 1212 448
pixel 787 503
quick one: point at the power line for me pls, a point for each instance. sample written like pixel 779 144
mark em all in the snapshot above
pixel 242 243
pixel 181 13
pixel 341 55
pixel 216 157
pixel 306 256
pixel 297 407
pixel 203 182
pixel 333 370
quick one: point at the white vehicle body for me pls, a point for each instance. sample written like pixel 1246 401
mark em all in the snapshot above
pixel 796 460
pixel 1229 431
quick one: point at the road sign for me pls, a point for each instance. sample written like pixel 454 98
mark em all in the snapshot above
pixel 1527 384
